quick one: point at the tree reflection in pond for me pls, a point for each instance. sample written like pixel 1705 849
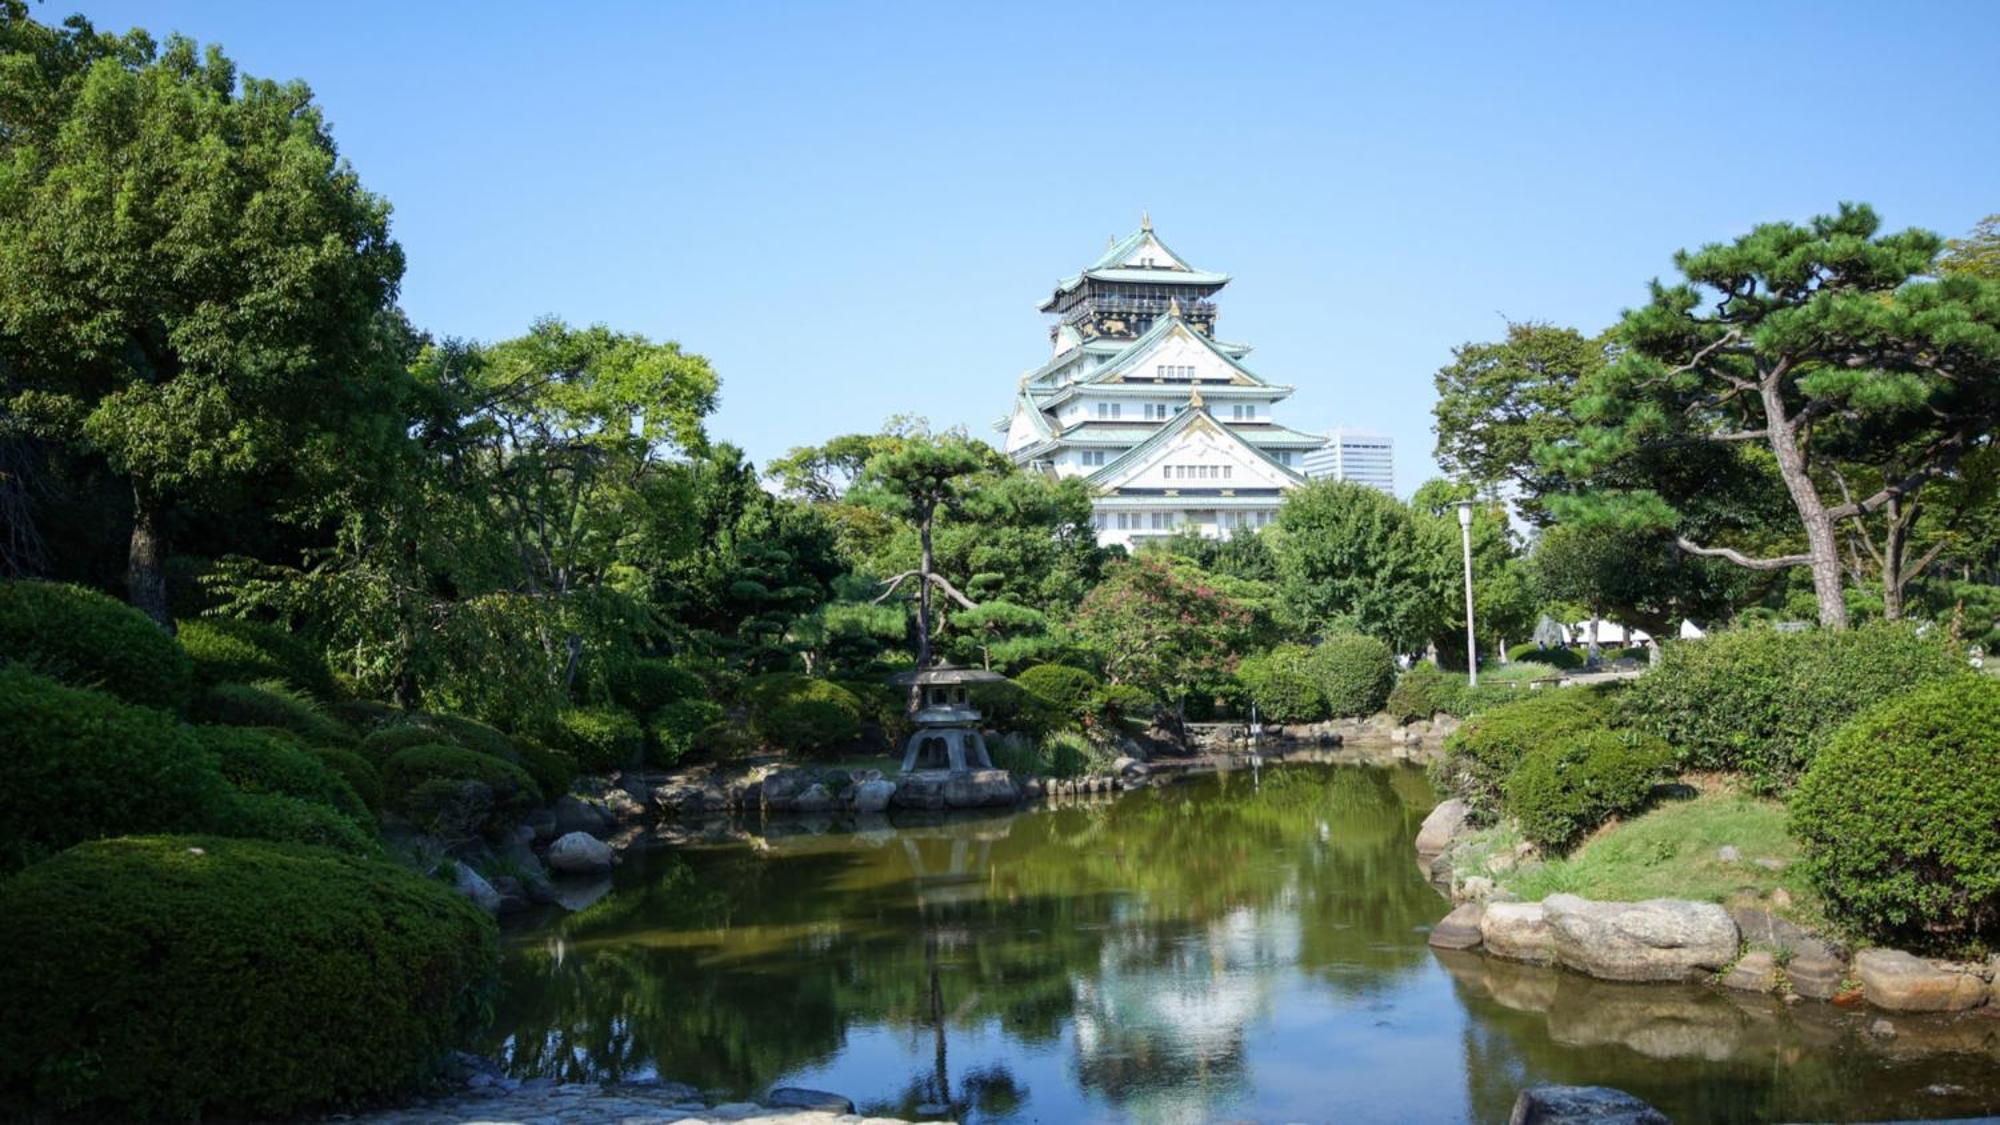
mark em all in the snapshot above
pixel 1226 948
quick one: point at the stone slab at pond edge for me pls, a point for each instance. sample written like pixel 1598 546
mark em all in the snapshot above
pixel 1903 982
pixel 1661 939
pixel 1574 1105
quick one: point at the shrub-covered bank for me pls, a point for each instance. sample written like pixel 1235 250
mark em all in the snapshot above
pixel 1860 808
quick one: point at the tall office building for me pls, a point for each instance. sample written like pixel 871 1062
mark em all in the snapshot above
pixel 1362 456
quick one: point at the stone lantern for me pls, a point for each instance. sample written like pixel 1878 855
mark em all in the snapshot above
pixel 947 738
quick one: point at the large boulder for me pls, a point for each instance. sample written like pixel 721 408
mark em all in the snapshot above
pixel 979 789
pixel 1459 929
pixel 1575 1105
pixel 1756 971
pixel 873 796
pixel 1661 939
pixel 1518 931
pixel 813 798
pixel 580 814
pixel 1903 982
pixel 1813 965
pixel 919 792
pixel 781 787
pixel 470 884
pixel 579 853
pixel 1444 823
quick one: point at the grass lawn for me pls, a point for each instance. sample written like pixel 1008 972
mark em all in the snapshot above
pixel 1673 851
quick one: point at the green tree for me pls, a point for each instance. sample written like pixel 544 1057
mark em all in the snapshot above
pixel 1498 402
pixel 1352 557
pixel 1975 255
pixel 1819 344
pixel 915 482
pixel 1163 628
pixel 194 286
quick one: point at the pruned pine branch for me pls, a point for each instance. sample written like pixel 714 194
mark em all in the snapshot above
pixel 1739 558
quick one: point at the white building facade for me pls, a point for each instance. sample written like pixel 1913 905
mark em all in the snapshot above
pixel 1141 400
pixel 1361 456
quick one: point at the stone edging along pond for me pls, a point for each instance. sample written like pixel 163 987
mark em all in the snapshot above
pixel 1744 948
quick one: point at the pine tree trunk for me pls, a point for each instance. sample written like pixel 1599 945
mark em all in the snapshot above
pixel 145 563
pixel 1894 547
pixel 924 597
pixel 1822 547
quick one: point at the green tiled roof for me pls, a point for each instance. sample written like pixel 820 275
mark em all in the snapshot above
pixel 1156 276
pixel 1162 326
pixel 1110 266
pixel 1167 432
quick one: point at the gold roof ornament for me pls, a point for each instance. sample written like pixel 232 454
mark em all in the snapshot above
pixel 1194 399
pixel 1111 242
pixel 1146 221
pixel 1173 306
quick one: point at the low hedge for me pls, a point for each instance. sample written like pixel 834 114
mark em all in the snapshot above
pixel 1760 702
pixel 673 730
pixel 78 764
pixel 1065 691
pixel 1479 755
pixel 600 738
pixel 645 685
pixel 1566 787
pixel 285 819
pixel 473 792
pixel 1354 673
pixel 357 771
pixel 257 762
pixel 1283 685
pixel 271 704
pixel 230 650
pixel 278 979
pixel 87 639
pixel 1567 659
pixel 801 713
pixel 475 735
pixel 1423 692
pixel 553 770
pixel 384 741
pixel 1899 816
pixel 1007 706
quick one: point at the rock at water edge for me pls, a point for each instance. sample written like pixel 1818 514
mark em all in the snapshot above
pixel 798 1097
pixel 579 853
pixel 1459 929
pixel 1661 939
pixel 1574 1105
pixel 1445 821
pixel 1518 931
pixel 1903 982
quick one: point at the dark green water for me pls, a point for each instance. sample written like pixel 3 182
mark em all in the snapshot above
pixel 1221 950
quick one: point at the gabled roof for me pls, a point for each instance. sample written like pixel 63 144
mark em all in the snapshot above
pixel 1116 264
pixel 1161 329
pixel 1193 416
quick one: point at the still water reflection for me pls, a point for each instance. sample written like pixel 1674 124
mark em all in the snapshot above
pixel 1221 950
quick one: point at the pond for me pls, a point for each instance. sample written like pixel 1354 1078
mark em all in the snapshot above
pixel 1233 948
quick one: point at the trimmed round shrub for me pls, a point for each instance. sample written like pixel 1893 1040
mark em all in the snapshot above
pixel 228 650
pixel 1283 685
pixel 1069 692
pixel 553 770
pixel 1565 788
pixel 1567 659
pixel 475 735
pixel 1355 674
pixel 672 730
pixel 77 764
pixel 1423 692
pixel 1007 706
pixel 645 685
pixel 359 773
pixel 1479 755
pixel 290 820
pixel 365 715
pixel 277 979
pixel 510 790
pixel 256 762
pixel 1899 816
pixel 1760 702
pixel 600 738
pixel 271 704
pixel 1125 704
pixel 87 639
pixel 802 714
pixel 416 730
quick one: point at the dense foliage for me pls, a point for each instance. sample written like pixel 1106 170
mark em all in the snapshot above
pixel 1479 755
pixel 1283 685
pixel 256 762
pixel 271 704
pixel 1760 702
pixel 600 738
pixel 1900 817
pixel 454 792
pixel 84 638
pixel 79 764
pixel 802 714
pixel 1575 781
pixel 279 979
pixel 1355 674
pixel 1423 692
pixel 229 650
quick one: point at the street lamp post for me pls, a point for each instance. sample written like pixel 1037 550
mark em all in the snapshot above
pixel 1465 537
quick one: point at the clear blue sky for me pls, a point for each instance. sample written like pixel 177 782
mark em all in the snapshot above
pixel 852 210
